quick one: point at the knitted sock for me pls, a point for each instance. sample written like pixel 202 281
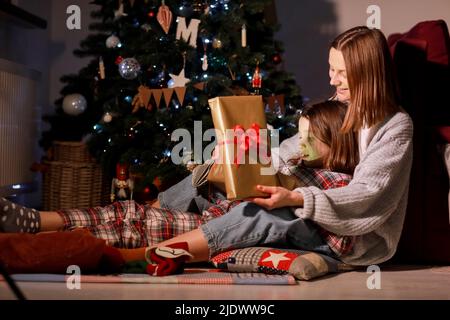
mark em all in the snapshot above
pixel 16 218
pixel 167 260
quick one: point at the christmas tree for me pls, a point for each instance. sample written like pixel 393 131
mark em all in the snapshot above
pixel 155 65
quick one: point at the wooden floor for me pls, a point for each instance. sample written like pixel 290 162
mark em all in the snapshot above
pixel 397 282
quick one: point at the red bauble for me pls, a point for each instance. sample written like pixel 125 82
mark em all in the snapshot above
pixel 118 59
pixel 276 58
pixel 151 14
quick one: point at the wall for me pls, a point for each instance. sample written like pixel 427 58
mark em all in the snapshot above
pixel 308 26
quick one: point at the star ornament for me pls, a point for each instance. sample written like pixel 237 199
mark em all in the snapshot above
pixel 276 258
pixel 120 12
pixel 178 80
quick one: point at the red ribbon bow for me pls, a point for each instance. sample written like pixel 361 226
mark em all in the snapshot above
pixel 244 141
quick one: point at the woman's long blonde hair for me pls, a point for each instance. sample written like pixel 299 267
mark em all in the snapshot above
pixel 371 77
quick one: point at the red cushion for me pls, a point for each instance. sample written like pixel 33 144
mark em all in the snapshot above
pixel 50 252
pixel 436 35
pixel 444 132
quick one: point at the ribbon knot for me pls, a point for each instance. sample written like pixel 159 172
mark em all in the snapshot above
pixel 245 140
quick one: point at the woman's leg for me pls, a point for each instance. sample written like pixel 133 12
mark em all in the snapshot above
pixel 249 225
pixel 197 243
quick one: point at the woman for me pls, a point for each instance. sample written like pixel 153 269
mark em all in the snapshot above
pixel 372 207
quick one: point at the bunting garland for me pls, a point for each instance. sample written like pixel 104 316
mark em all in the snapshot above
pixel 144 95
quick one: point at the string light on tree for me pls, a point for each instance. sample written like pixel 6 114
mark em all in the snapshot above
pixel 217 43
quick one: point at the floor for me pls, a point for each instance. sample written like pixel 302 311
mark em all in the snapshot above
pixel 397 282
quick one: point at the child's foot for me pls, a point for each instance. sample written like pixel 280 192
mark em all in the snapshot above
pixel 15 218
pixel 167 260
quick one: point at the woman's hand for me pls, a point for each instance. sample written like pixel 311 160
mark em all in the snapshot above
pixel 278 197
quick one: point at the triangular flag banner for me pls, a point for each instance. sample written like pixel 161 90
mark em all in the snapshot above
pixel 157 93
pixel 145 96
pixel 168 92
pixel 199 86
pixel 181 92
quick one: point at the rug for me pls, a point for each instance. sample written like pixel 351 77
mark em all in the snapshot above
pixel 191 276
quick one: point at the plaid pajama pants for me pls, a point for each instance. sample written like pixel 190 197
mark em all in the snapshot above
pixel 127 224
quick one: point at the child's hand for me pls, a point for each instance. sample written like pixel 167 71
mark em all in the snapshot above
pixel 278 197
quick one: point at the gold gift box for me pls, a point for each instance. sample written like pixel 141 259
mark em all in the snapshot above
pixel 242 176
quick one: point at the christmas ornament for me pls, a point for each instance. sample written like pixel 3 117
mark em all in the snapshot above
pixel 256 79
pixel 107 117
pixel 180 92
pixel 129 68
pixel 74 104
pixel 101 68
pixel 188 33
pixel 244 36
pixel 164 17
pixel 157 183
pixel 205 58
pixel 112 42
pixel 180 80
pixel 118 60
pixel 122 186
pixel 167 94
pixel 119 13
pixel 146 27
pixel 217 43
pixel 141 99
pixel 276 58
